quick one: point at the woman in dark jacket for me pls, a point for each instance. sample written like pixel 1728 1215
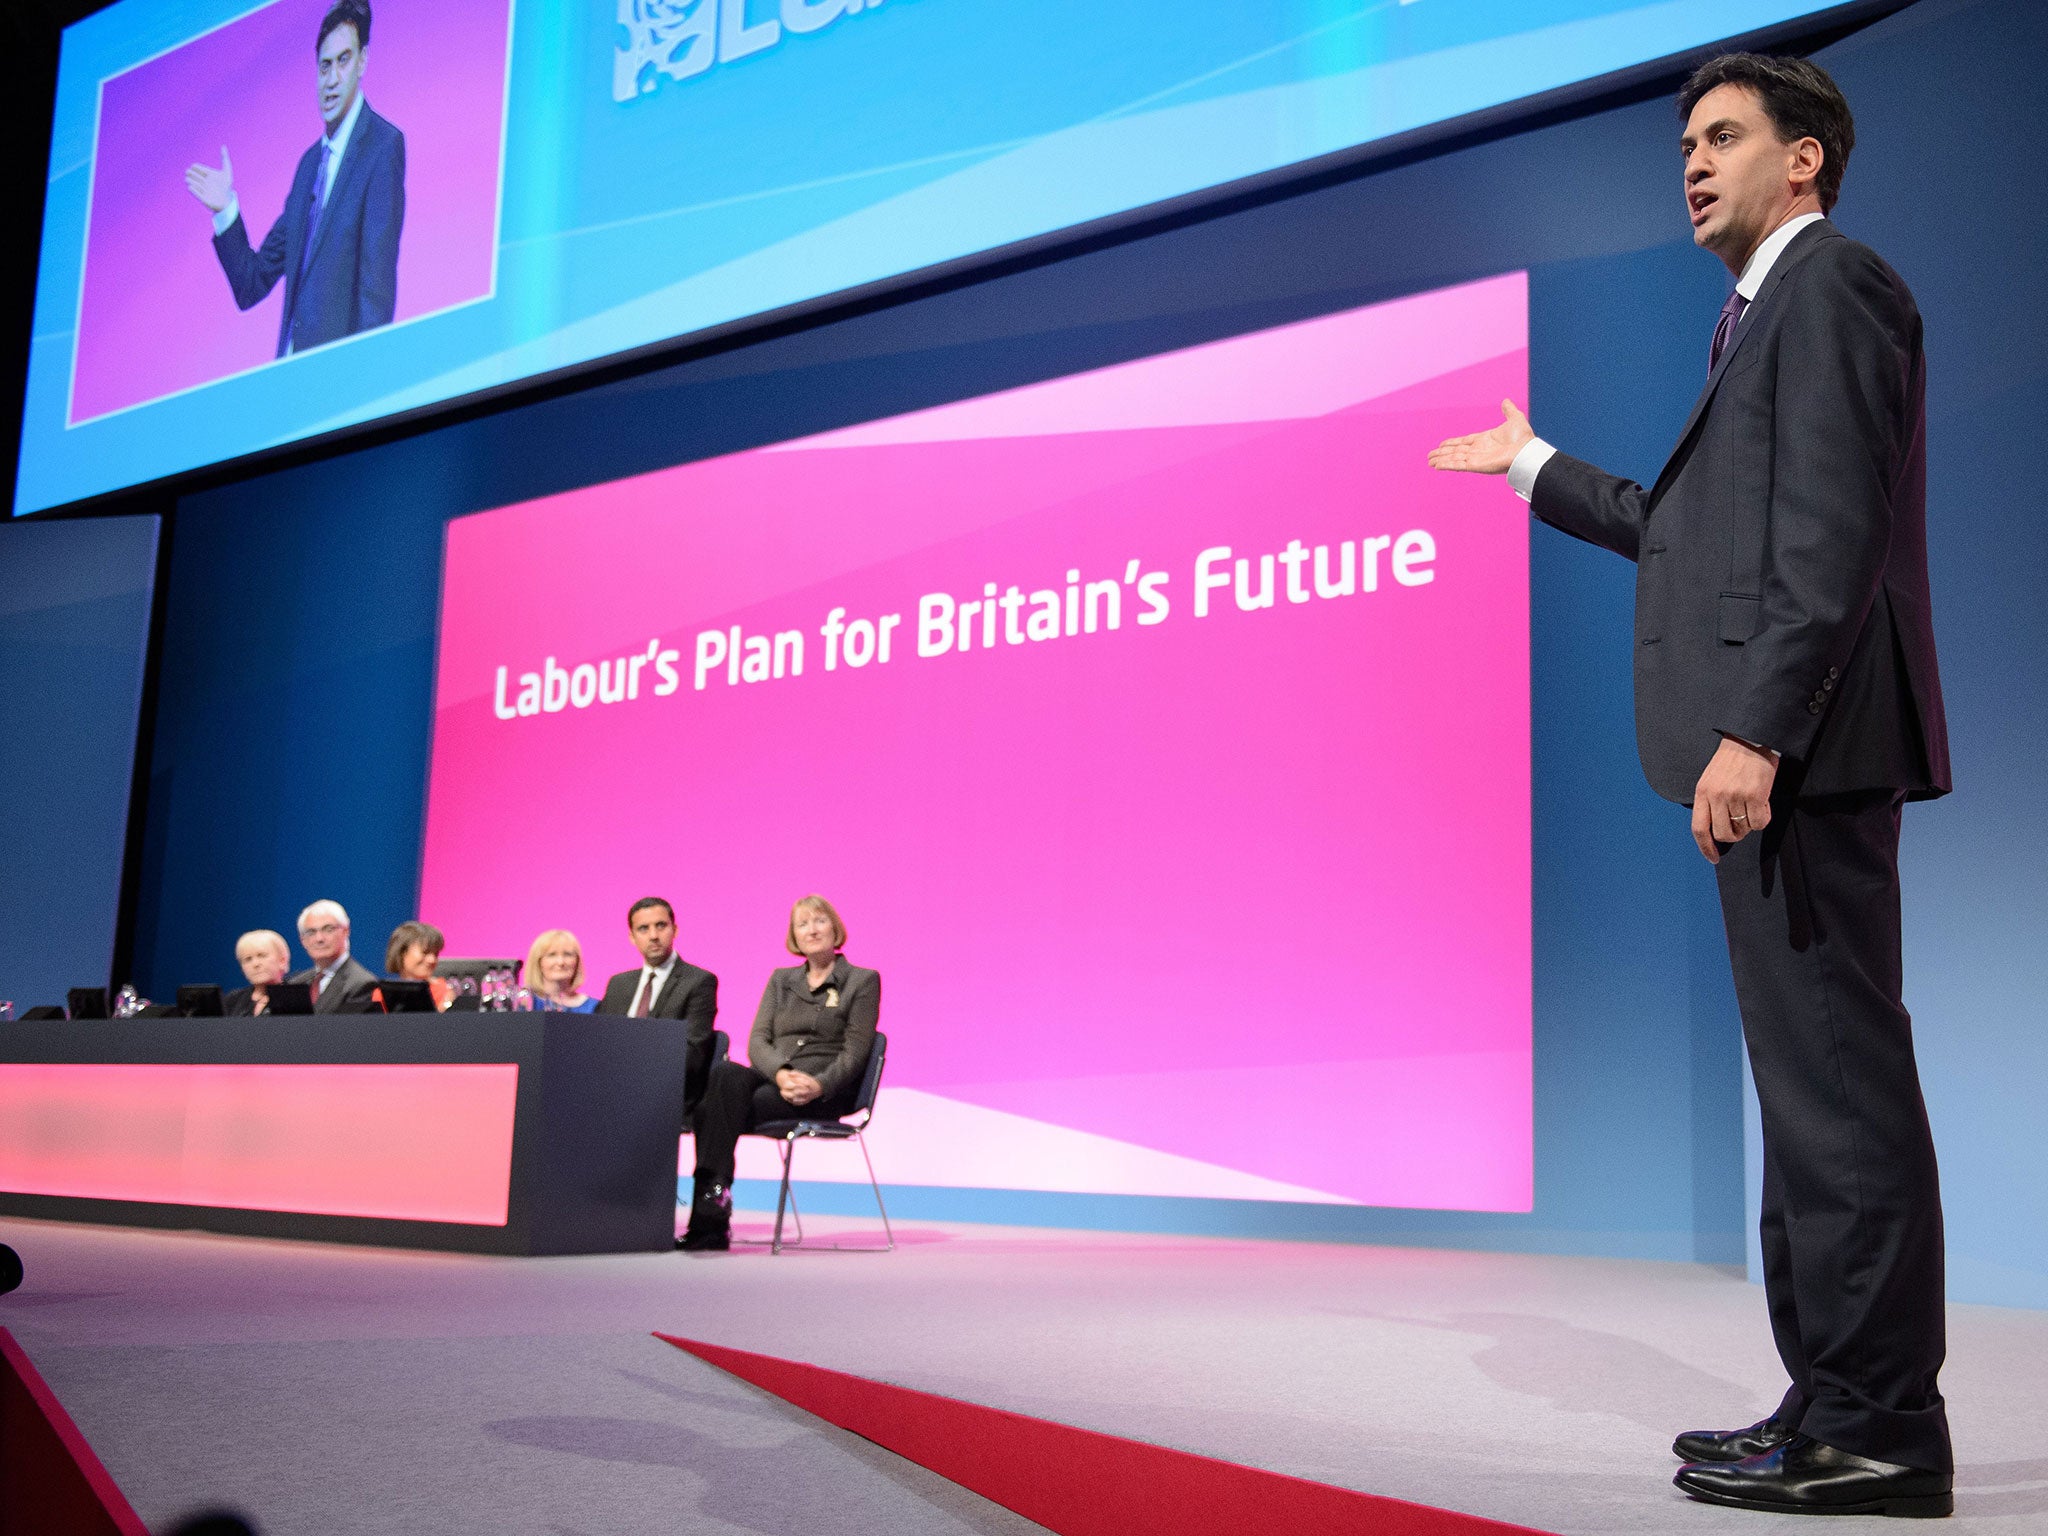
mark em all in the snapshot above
pixel 809 1050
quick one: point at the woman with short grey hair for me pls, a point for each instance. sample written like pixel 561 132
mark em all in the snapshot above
pixel 808 1053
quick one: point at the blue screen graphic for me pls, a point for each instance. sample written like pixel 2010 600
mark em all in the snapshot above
pixel 579 178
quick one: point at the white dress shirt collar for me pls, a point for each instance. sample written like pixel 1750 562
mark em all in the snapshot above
pixel 1529 461
pixel 225 219
pixel 1759 265
pixel 660 975
pixel 337 146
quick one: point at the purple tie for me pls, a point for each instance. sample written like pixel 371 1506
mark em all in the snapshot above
pixel 1731 315
pixel 313 219
pixel 319 203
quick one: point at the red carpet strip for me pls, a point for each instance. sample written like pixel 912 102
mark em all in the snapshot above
pixel 1075 1481
pixel 51 1484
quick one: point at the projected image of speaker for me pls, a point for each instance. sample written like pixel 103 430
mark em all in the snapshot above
pixel 193 134
pixel 197 243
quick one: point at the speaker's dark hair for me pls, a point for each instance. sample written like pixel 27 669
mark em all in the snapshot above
pixel 346 13
pixel 1800 98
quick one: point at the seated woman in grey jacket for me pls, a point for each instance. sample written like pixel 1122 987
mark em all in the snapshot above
pixel 809 1050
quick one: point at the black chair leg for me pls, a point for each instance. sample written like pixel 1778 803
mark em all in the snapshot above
pixel 782 1197
pixel 888 1232
pixel 787 1209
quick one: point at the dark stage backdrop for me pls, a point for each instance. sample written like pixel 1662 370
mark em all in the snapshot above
pixel 297 669
pixel 74 631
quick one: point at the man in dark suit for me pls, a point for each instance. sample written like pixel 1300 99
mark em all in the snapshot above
pixel 336 243
pixel 339 983
pixel 1786 690
pixel 666 986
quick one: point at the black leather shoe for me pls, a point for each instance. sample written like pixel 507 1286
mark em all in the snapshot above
pixel 1732 1444
pixel 1805 1477
pixel 710 1229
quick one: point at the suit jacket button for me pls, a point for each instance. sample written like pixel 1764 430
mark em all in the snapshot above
pixel 1813 708
pixel 1833 673
pixel 1828 682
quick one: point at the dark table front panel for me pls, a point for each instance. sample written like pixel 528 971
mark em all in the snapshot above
pixel 501 1133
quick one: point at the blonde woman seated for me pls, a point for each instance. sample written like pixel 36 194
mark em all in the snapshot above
pixel 413 953
pixel 809 1051
pixel 264 958
pixel 554 974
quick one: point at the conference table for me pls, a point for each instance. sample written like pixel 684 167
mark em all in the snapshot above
pixel 527 1133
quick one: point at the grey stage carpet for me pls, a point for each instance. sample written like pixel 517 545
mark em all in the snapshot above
pixel 339 1390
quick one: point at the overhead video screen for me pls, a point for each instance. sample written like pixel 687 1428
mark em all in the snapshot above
pixel 272 222
pixel 1162 733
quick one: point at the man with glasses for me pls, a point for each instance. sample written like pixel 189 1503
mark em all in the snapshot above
pixel 339 984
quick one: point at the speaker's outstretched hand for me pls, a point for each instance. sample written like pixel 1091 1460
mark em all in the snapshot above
pixel 1485 453
pixel 212 185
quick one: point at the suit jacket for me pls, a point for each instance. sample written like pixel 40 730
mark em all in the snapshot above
pixel 348 992
pixel 1781 556
pixel 827 1033
pixel 350 278
pixel 691 995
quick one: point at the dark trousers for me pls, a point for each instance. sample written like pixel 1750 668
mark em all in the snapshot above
pixel 1851 1228
pixel 736 1100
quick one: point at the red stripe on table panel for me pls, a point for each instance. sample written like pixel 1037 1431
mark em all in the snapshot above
pixel 422 1142
pixel 1078 1482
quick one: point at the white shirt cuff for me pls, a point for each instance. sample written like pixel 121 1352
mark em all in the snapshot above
pixel 225 219
pixel 1528 465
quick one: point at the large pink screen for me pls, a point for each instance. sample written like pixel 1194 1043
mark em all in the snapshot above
pixel 1194 855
